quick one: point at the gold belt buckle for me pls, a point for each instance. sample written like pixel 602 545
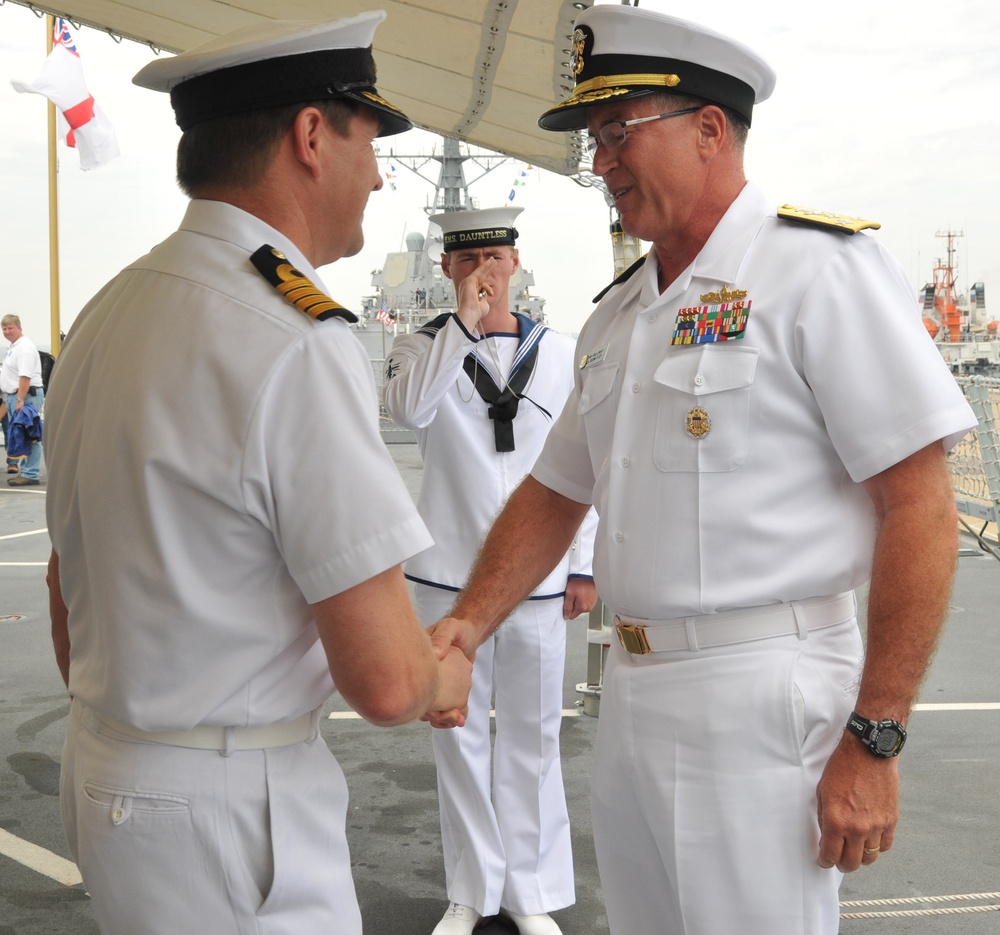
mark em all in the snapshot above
pixel 633 638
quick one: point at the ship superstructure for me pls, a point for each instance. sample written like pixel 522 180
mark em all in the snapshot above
pixel 959 323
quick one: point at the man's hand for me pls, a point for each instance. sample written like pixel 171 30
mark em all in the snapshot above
pixel 455 646
pixel 912 569
pixel 474 295
pixel 581 597
pixel 450 631
pixel 451 704
pixel 858 805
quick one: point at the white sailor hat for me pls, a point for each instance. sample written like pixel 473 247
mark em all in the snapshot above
pixel 488 227
pixel 272 63
pixel 621 51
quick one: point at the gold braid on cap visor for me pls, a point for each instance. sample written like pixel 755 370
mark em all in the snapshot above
pixel 604 86
pixel 381 100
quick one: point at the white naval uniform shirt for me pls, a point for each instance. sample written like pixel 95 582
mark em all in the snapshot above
pixel 20 360
pixel 834 381
pixel 466 481
pixel 215 466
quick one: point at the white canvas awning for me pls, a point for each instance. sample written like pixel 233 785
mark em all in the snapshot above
pixel 477 70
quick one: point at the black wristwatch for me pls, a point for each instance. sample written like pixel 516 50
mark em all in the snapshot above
pixel 882 738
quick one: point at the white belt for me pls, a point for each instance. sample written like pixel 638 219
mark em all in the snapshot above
pixel 223 739
pixel 639 637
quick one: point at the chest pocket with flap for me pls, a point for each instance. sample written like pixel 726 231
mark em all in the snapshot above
pixel 597 401
pixel 708 387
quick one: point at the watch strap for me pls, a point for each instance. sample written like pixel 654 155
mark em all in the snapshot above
pixel 883 738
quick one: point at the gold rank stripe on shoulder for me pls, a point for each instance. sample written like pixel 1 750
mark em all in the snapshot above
pixel 840 222
pixel 301 291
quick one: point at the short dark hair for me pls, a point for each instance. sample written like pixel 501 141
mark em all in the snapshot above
pixel 237 149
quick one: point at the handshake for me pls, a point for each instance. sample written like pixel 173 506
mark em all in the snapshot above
pixel 454 642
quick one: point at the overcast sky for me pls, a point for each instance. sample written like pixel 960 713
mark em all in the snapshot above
pixel 885 110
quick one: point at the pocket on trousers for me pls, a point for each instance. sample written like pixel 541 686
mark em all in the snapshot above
pixel 824 686
pixel 122 805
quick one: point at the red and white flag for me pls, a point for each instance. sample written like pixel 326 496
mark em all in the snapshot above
pixel 83 124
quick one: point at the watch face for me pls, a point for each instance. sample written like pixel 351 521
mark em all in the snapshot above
pixel 887 740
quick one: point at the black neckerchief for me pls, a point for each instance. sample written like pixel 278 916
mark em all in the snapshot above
pixel 503 406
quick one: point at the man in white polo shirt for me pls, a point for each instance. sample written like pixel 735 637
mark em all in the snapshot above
pixel 21 384
pixel 754 455
pixel 227 525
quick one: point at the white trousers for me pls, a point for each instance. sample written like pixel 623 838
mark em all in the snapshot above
pixel 172 840
pixel 704 785
pixel 507 843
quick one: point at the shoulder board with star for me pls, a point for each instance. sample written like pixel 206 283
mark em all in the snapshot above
pixel 297 288
pixel 826 219
pixel 626 275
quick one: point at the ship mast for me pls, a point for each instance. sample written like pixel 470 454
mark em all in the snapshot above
pixel 451 191
pixel 945 296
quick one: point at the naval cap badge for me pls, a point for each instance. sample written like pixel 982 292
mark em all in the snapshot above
pixel 576 57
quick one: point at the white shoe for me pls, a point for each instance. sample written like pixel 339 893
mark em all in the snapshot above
pixel 458 920
pixel 541 924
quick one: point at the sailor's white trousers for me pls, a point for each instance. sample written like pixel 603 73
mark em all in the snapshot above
pixel 506 836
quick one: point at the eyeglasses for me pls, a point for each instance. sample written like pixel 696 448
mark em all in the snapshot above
pixel 612 135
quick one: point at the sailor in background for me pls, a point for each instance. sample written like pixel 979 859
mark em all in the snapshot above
pixel 755 454
pixel 481 388
pixel 212 578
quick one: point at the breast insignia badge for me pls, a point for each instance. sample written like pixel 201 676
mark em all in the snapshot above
pixel 725 294
pixel 699 423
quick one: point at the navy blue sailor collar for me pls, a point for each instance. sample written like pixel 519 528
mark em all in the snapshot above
pixel 530 332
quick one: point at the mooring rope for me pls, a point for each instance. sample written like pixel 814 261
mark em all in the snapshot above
pixel 900 913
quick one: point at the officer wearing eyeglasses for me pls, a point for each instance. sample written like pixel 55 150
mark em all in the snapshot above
pixel 755 456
